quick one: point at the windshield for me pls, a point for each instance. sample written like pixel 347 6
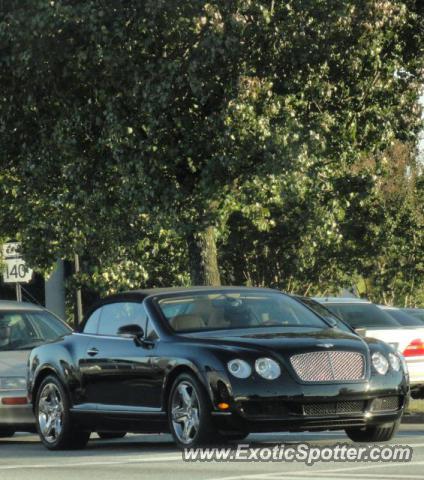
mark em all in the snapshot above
pixel 239 309
pixel 21 330
pixel 363 315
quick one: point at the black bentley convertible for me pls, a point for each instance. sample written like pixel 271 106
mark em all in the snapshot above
pixel 210 364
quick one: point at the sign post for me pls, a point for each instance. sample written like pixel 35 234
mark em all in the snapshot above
pixel 18 292
pixel 15 269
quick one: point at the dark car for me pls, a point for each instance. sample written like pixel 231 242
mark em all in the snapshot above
pixel 210 364
pixel 415 312
pixel 405 319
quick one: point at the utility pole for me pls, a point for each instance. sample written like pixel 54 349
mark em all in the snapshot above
pixel 55 290
pixel 79 295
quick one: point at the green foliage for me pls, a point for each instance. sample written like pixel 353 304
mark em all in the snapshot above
pixel 156 261
pixel 365 230
pixel 395 272
pixel 123 120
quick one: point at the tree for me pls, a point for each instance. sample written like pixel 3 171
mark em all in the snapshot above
pixel 364 230
pixel 394 273
pixel 119 119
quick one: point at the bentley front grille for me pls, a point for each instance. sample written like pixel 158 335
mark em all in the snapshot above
pixel 329 366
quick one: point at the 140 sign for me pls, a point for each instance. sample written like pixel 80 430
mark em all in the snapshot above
pixel 15 268
pixel 16 271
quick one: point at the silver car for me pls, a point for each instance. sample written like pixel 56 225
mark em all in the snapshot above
pixel 23 326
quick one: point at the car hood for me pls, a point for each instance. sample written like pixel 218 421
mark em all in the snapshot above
pixel 13 363
pixel 284 340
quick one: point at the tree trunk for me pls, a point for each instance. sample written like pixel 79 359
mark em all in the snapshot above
pixel 203 258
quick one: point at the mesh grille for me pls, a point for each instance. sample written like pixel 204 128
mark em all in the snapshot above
pixel 267 408
pixel 329 366
pixel 350 406
pixel 330 424
pixel 334 408
pixel 385 404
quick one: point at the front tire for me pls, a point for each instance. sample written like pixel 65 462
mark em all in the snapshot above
pixel 373 433
pixel 52 414
pixel 189 413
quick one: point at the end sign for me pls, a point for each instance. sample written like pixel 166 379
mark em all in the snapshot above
pixel 15 268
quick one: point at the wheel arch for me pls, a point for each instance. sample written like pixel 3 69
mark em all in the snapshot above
pixel 43 373
pixel 174 373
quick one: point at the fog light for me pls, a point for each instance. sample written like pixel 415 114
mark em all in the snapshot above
pixel 385 404
pixel 223 406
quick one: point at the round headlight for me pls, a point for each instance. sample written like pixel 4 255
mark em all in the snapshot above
pixel 267 368
pixel 394 362
pixel 380 363
pixel 239 368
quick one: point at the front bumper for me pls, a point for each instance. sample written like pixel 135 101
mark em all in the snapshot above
pixel 20 416
pixel 286 405
pixel 321 416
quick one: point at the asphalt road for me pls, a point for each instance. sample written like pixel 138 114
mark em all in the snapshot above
pixel 155 457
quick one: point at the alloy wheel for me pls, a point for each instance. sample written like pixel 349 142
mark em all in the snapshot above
pixel 185 412
pixel 50 413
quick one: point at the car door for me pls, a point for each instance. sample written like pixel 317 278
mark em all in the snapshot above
pixel 118 374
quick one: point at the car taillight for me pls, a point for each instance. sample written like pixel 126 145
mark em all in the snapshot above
pixel 414 349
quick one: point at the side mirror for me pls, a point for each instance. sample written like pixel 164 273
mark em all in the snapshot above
pixel 362 332
pixel 132 330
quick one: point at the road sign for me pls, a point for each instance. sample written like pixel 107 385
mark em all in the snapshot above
pixel 11 250
pixel 15 268
pixel 16 271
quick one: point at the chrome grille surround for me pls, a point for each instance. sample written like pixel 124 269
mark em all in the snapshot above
pixel 329 366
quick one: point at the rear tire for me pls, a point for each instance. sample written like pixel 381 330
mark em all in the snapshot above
pixel 111 435
pixel 6 432
pixel 52 414
pixel 373 433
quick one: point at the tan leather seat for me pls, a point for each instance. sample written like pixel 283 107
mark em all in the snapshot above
pixel 212 316
pixel 187 322
pixel 217 320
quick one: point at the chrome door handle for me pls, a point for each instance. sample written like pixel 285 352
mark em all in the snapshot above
pixel 92 352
